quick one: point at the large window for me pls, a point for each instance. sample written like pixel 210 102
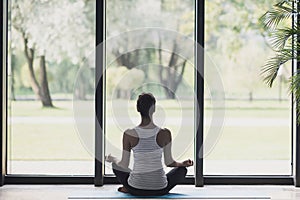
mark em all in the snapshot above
pixel 149 48
pixel 49 42
pixel 256 135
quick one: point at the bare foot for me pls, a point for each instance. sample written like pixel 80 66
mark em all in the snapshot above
pixel 122 189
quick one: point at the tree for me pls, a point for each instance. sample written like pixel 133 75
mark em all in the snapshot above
pixel 237 44
pixel 20 21
pixel 136 15
pixel 171 75
pixel 219 23
pixel 122 81
pixel 51 30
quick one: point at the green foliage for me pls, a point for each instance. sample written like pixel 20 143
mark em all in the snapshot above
pixel 175 15
pixel 55 28
pixel 123 78
pixel 281 38
pixel 284 40
pixel 232 20
pixel 279 13
pixel 62 30
pixel 65 74
pixel 271 68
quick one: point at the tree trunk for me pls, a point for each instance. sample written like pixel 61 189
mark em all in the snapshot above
pixel 80 92
pixel 251 96
pixel 45 93
pixel 12 96
pixel 170 94
pixel 173 77
pixel 29 54
pixel 42 90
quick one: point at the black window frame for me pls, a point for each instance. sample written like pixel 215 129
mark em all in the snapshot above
pixel 3 48
pixel 99 178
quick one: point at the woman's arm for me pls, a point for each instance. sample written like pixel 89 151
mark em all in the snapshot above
pixel 124 162
pixel 125 152
pixel 169 161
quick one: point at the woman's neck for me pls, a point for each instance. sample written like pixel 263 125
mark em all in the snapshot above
pixel 146 122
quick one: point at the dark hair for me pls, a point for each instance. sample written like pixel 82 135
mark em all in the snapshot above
pixel 144 103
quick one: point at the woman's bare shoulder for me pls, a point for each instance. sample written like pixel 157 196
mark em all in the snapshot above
pixel 130 132
pixel 131 136
pixel 165 132
pixel 163 137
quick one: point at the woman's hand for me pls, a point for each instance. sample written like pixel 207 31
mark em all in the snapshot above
pixel 188 163
pixel 110 159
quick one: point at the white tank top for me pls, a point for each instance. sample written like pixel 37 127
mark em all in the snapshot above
pixel 148 172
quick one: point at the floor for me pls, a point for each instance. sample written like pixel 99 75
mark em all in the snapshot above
pixel 61 192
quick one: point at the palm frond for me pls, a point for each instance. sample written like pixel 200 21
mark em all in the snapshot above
pixel 280 37
pixel 285 4
pixel 281 11
pixel 271 68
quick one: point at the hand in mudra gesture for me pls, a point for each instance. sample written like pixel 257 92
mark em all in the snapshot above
pixel 110 159
pixel 188 163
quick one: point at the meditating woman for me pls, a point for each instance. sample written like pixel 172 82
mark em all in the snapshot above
pixel 148 142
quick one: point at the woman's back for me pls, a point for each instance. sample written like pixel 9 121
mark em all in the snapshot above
pixel 148 142
pixel 148 172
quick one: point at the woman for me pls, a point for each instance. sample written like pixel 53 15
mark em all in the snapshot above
pixel 148 142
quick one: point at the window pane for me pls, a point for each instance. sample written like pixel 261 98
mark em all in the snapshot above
pixel 256 136
pixel 143 40
pixel 49 41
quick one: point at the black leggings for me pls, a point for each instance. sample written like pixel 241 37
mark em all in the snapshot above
pixel 176 175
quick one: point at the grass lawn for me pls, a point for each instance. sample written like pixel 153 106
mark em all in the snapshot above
pixel 50 141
